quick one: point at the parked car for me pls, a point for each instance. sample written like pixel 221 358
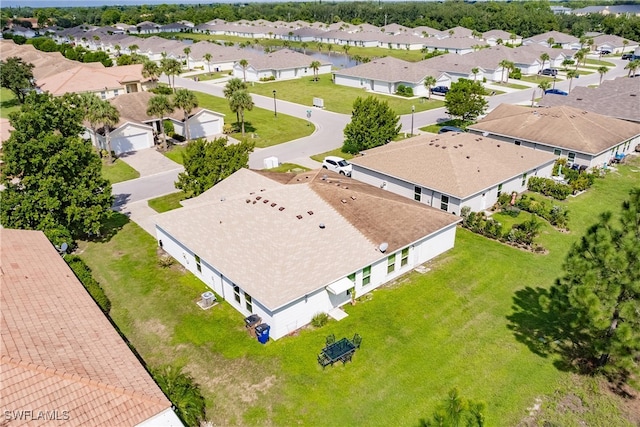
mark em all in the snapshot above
pixel 440 90
pixel 555 92
pixel 337 164
pixel 548 72
pixel 445 129
pixel 627 55
pixel 605 52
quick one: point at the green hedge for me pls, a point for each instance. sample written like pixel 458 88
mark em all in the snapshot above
pixel 549 187
pixel 83 273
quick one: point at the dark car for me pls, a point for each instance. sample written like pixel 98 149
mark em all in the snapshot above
pixel 445 129
pixel 549 72
pixel 605 52
pixel 627 55
pixel 440 90
pixel 555 92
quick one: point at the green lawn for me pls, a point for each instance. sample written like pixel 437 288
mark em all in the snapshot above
pixel 421 336
pixel 118 171
pixel 536 79
pixel 167 202
pixel 289 167
pixel 513 85
pixel 599 62
pixel 212 76
pixel 336 98
pixel 265 128
pixel 337 152
pixel 175 153
pixel 8 103
pixel 434 128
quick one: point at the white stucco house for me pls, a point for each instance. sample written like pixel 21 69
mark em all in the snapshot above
pixel 581 136
pixel 385 75
pixel 279 65
pixel 286 246
pixel 202 124
pixel 452 170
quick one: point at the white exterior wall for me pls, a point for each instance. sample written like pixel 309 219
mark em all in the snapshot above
pixel 131 138
pixel 350 81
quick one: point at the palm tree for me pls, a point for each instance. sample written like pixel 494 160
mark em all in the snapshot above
pixel 187 51
pixel 185 100
pixel 232 86
pixel 134 48
pixel 475 71
pixel 159 106
pixel 571 74
pixel 89 104
pixel 499 42
pixel 429 82
pixel 207 57
pixel 551 41
pixel 244 64
pixel 544 57
pixel 578 56
pixel 346 48
pixel 544 85
pixel 632 66
pixel 109 116
pixel 183 392
pixel 602 71
pixel 240 101
pixel 625 42
pixel 513 38
pixel 329 48
pixel 320 46
pixel 506 65
pixel 304 46
pixel 117 49
pixel 151 70
pixel 476 35
pixel 315 66
pixel 171 67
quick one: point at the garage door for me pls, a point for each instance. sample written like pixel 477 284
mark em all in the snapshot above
pixel 124 144
pixel 205 129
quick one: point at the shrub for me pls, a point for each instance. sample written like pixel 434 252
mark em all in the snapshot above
pixel 319 320
pixel 404 91
pixel 83 273
pixel 168 127
pixel 549 187
pixel 183 392
pixel 515 74
pixel 161 90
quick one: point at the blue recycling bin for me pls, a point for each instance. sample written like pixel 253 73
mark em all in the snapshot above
pixel 262 332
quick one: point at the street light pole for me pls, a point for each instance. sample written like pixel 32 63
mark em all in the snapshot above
pixel 554 81
pixel 275 109
pixel 413 110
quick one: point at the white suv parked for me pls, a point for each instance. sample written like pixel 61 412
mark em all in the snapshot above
pixel 337 164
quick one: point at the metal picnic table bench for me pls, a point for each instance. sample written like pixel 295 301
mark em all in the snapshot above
pixel 341 350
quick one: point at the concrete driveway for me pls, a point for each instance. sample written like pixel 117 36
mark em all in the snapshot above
pixel 149 162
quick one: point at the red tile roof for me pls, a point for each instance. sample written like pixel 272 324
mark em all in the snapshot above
pixel 59 351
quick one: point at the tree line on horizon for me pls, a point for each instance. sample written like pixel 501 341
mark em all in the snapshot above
pixel 523 18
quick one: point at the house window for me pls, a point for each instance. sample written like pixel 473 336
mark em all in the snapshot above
pixel 557 152
pixel 198 266
pixel 444 203
pixel 499 190
pixel 517 142
pixel 103 95
pixel 236 291
pixel 571 157
pixel 404 259
pixel 524 179
pixel 391 263
pixel 417 193
pixel 352 277
pixel 366 276
pixel 248 303
pixel 116 92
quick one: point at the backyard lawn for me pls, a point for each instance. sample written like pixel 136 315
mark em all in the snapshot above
pixel 336 98
pixel 118 171
pixel 8 103
pixel 452 326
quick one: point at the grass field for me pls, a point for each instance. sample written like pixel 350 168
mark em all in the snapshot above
pixel 167 202
pixel 336 98
pixel 8 103
pixel 118 171
pixel 337 152
pixel 424 334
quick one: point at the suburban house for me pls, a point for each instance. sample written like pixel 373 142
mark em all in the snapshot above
pixel 614 44
pixel 583 137
pixel 62 361
pixel 619 98
pixel 137 131
pixel 565 41
pixel 287 247
pixel 614 10
pixel 384 75
pixel 452 170
pixel 279 65
pixel 462 67
pixel 494 36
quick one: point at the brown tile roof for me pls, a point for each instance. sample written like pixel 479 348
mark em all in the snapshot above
pixel 59 351
pixel 133 108
pixel 619 98
pixel 562 126
pixel 88 79
pixel 458 164
pixel 276 256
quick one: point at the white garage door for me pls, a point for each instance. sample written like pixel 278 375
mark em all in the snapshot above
pixel 124 144
pixel 205 129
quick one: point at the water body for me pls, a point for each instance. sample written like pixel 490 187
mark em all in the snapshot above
pixel 338 60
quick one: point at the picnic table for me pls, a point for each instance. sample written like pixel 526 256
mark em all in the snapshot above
pixel 341 350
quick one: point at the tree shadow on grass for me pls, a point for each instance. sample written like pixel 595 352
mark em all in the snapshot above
pixel 110 227
pixel 9 103
pixel 541 329
pixel 248 127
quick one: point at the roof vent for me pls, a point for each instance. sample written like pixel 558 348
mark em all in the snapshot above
pixel 222 199
pixel 258 197
pixel 460 145
pixel 344 200
pixel 324 177
pixel 633 94
pixel 468 157
pixel 265 201
pixel 353 197
pixel 299 216
pixel 310 212
pixel 273 205
pixel 383 247
pixel 252 193
pixel 254 202
pixel 281 208
pixel 262 189
pixel 248 201
pixel 578 99
pixel 437 145
pixel 321 225
pixel 431 143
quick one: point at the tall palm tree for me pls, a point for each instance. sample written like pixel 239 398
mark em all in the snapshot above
pixel 232 86
pixel 571 74
pixel 346 48
pixel 475 71
pixel 329 48
pixel 88 103
pixel 544 57
pixel 320 46
pixel 240 101
pixel 109 116
pixel 304 46
pixel 625 42
pixel 429 82
pixel 185 100
pixel 134 48
pixel 602 71
pixel 171 67
pixel 159 106
pixel 244 64
pixel 551 41
pixel 187 51
pixel 632 66
pixel 506 65
pixel 513 38
pixel 578 56
pixel 544 85
pixel 315 66
pixel 207 57
pixel 117 49
pixel 151 70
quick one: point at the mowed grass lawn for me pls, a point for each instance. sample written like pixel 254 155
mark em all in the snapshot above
pixel 421 336
pixel 259 123
pixel 336 98
pixel 8 103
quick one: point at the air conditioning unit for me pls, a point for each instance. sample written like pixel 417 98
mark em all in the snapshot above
pixel 208 298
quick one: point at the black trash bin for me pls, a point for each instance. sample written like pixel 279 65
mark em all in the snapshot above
pixel 262 332
pixel 251 322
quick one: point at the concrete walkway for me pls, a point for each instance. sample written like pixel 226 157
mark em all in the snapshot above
pixel 149 162
pixel 140 213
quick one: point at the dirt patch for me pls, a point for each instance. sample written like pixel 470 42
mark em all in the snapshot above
pixel 155 327
pixel 571 403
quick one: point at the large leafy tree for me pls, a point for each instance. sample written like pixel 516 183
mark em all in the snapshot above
pixel 465 99
pixel 373 123
pixel 598 298
pixel 159 106
pixel 187 101
pixel 240 102
pixel 207 163
pixel 16 76
pixel 52 176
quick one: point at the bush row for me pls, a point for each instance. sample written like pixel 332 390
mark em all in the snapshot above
pixel 83 273
pixel 404 91
pixel 520 235
pixel 549 187
pixel 557 216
